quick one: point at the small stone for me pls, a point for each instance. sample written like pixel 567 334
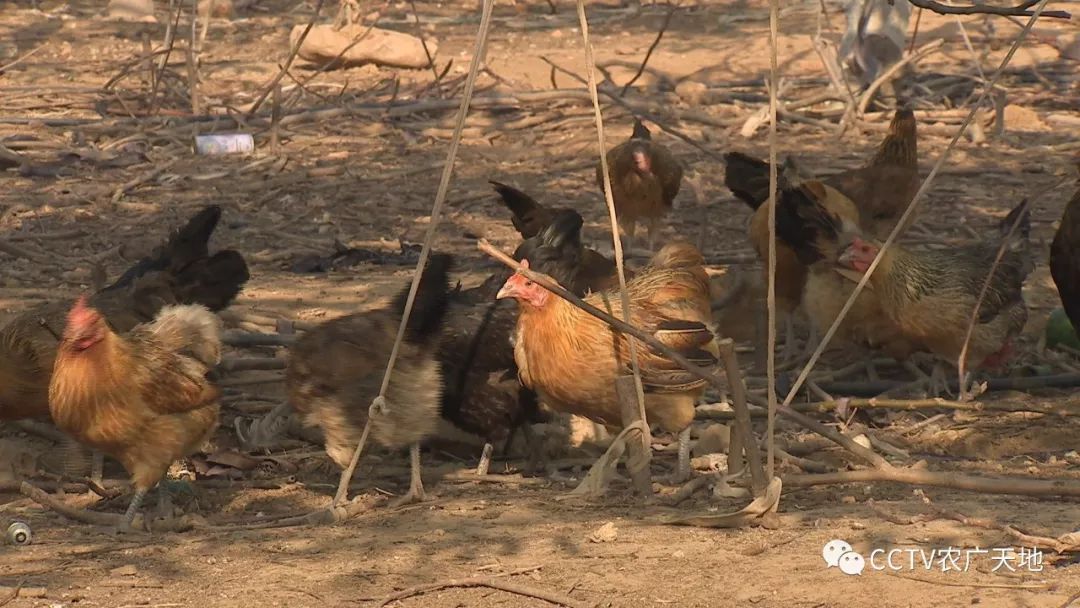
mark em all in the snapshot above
pixel 604 534
pixel 848 500
pixel 1019 118
pixel 128 570
pixel 714 439
pixel 691 92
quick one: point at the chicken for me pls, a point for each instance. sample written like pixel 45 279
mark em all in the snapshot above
pixel 529 216
pixel 572 359
pixel 483 395
pixel 881 189
pixel 811 220
pixel 930 295
pixel 1065 259
pixel 142 398
pixel 592 271
pixel 872 198
pixel 335 371
pixel 179 272
pixel 645 178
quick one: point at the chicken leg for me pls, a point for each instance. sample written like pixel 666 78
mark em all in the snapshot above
pixel 654 229
pixel 128 524
pixel 682 473
pixel 416 484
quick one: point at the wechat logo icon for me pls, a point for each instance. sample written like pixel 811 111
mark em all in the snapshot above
pixel 839 553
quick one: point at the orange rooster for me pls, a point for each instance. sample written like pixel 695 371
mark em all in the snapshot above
pixel 571 359
pixel 142 398
pixel 645 178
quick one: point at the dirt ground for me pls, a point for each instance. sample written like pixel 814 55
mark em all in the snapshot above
pixel 109 178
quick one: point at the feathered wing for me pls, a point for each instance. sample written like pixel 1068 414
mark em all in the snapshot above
pixel 1065 259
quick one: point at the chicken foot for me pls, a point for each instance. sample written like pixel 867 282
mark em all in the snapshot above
pixel 682 473
pixel 654 230
pixel 416 484
pixel 128 523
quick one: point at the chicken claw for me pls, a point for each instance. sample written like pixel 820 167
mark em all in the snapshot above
pixel 416 484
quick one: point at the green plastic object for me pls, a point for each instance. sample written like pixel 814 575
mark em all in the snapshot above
pixel 1060 331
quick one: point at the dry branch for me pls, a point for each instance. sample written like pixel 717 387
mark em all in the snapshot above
pixel 1022 10
pixel 490 582
pixel 956 481
pixel 81 515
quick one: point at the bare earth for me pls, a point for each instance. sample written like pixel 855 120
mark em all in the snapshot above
pixel 368 178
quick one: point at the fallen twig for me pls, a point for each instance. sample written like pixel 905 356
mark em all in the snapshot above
pixel 652 47
pixel 81 515
pixel 1022 10
pixel 1041 542
pixel 288 62
pixel 956 481
pixel 490 582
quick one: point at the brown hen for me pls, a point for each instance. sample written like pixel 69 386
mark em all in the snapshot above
pixel 335 371
pixel 142 398
pixel 645 178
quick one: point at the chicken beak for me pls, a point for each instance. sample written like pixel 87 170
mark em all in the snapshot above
pixel 507 291
pixel 847 256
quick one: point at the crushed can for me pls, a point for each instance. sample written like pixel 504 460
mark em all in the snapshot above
pixel 18 534
pixel 224 143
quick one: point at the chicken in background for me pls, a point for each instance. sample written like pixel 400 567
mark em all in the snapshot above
pixel 871 198
pixel 335 372
pixel 1065 258
pixel 813 220
pixel 571 359
pixel 591 270
pixel 645 178
pixel 179 272
pixel 881 189
pixel 142 398
pixel 930 295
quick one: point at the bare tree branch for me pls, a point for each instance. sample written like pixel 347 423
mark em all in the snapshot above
pixel 1021 10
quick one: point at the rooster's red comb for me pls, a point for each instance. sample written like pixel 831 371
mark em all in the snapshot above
pixel 81 315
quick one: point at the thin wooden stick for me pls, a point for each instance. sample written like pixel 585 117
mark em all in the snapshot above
pixel 770 298
pixel 624 297
pixel 652 47
pixel 743 427
pixel 80 515
pixel 490 582
pixel 433 226
pixel 288 62
pixel 1021 486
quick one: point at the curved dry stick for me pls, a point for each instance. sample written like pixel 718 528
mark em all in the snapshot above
pixel 1020 486
pixel 652 47
pixel 867 456
pixel 1023 10
pixel 522 590
pixel 433 225
pixel 288 62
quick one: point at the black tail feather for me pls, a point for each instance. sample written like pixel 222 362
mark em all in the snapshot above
pixel 747 178
pixel 213 282
pixel 184 247
pixel 432 299
pixel 804 224
pixel 557 250
pixel 640 131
